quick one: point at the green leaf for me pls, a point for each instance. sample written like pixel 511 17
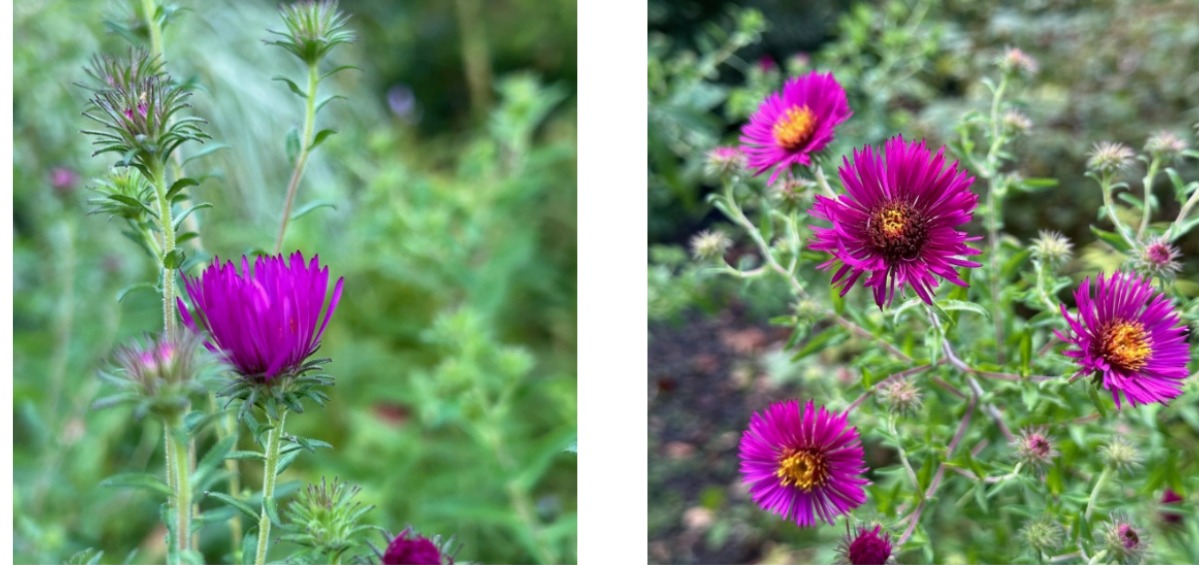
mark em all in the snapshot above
pixel 136 286
pixel 1099 403
pixel 819 341
pixel 217 454
pixel 327 100
pixel 179 185
pixel 115 400
pixel 246 455
pixel 186 213
pixel 207 150
pixel 291 85
pixel 137 480
pixel 340 69
pixel 292 144
pixel 963 305
pixel 174 259
pixel 321 136
pixel 1111 238
pixel 272 511
pixel 311 206
pixel 235 503
pixel 1026 352
pixel 286 460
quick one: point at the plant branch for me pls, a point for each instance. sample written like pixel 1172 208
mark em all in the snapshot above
pixel 302 159
pixel 1148 184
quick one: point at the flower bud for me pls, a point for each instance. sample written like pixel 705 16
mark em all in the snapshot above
pixel 313 28
pixel 710 244
pixel 1166 146
pixel 326 517
pixel 1121 455
pixel 1016 122
pixel 1034 448
pixel 410 548
pixel 724 161
pixel 867 547
pixel 1052 248
pixel 900 396
pixel 1124 542
pixel 1110 157
pixel 1043 534
pixel 1014 60
pixel 1159 259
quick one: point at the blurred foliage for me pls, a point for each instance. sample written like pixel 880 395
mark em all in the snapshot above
pixel 454 227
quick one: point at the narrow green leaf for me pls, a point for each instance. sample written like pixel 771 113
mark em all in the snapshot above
pixel 179 185
pixel 963 305
pixel 217 454
pixel 338 70
pixel 245 455
pixel 311 206
pixel 208 149
pixel 137 480
pixel 186 213
pixel 272 511
pixel 174 259
pixel 321 136
pixel 235 503
pixel 1111 238
pixel 293 144
pixel 327 100
pixel 291 85
pixel 136 286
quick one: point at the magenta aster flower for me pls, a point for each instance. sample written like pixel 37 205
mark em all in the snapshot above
pixel 867 547
pixel 896 224
pixel 803 464
pixel 1171 497
pixel 263 322
pixel 1128 336
pixel 416 550
pixel 792 124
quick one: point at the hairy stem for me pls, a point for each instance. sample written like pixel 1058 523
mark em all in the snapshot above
pixel 167 224
pixel 302 159
pixel 149 7
pixel 1148 183
pixel 1106 185
pixel 1182 214
pixel 823 182
pixel 1107 471
pixel 179 450
pixel 994 205
pixel 273 443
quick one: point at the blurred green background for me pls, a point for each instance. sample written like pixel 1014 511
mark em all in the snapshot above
pixel 453 182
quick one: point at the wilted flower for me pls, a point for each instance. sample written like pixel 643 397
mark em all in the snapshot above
pixel 1125 543
pixel 1128 337
pixel 1052 248
pixel 415 550
pixel 1159 259
pixel 264 322
pixel 1165 145
pixel 1015 121
pixel 1110 157
pixel 724 161
pixel 900 396
pixel 897 233
pixel 866 547
pixel 803 464
pixel 1014 60
pixel 1120 455
pixel 1043 534
pixel 790 125
pixel 1034 447
pixel 710 244
pixel 313 28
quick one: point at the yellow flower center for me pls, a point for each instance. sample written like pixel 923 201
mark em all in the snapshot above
pixel 794 127
pixel 1125 345
pixel 897 230
pixel 802 468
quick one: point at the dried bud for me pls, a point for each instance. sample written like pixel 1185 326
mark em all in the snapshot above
pixel 1110 157
pixel 724 161
pixel 1125 544
pixel 1016 122
pixel 1052 248
pixel 1034 448
pixel 1015 60
pixel 1166 146
pixel 1121 455
pixel 900 396
pixel 1043 534
pixel 313 28
pixel 710 244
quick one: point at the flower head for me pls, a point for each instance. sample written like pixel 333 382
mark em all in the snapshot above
pixel 1171 497
pixel 1128 336
pixel 161 373
pixel 866 547
pixel 1052 248
pixel 900 396
pixel 724 161
pixel 803 464
pixel 1110 157
pixel 1016 122
pixel 710 244
pixel 1121 455
pixel 263 321
pixel 313 28
pixel 1034 447
pixel 1159 259
pixel 1125 543
pixel 1165 145
pixel 896 224
pixel 792 124
pixel 415 550
pixel 1014 60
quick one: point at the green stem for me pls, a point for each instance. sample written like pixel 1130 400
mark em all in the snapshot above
pixel 823 182
pixel 302 159
pixel 994 204
pixel 179 448
pixel 1106 186
pixel 274 440
pixel 1107 471
pixel 148 9
pixel 1182 214
pixel 167 224
pixel 518 496
pixel 1145 208
pixel 1041 287
pixel 225 428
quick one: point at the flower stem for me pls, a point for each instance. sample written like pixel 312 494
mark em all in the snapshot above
pixel 167 224
pixel 178 448
pixel 823 182
pixel 1107 471
pixel 302 158
pixel 149 8
pixel 1182 214
pixel 274 440
pixel 994 205
pixel 1148 182
pixel 1106 185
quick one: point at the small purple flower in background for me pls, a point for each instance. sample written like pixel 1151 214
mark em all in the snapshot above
pixel 63 180
pixel 792 124
pixel 803 464
pixel 1160 259
pixel 402 102
pixel 1034 448
pixel 896 224
pixel 1124 542
pixel 1171 497
pixel 263 322
pixel 416 550
pixel 867 547
pixel 1129 337
pixel 766 63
